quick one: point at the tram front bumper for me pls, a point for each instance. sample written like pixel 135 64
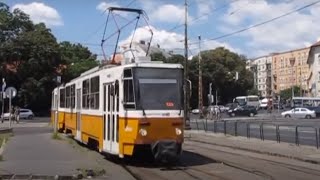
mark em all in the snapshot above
pixel 166 150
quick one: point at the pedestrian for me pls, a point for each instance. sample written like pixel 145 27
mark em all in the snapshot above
pixel 11 113
pixel 17 114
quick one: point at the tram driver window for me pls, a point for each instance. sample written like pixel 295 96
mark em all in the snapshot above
pixel 128 94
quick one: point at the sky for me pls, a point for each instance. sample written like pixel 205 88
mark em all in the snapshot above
pixel 83 21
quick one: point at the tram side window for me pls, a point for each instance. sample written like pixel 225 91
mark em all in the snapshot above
pixel 128 94
pixel 85 94
pixel 73 96
pixel 68 97
pixel 94 92
pixel 62 98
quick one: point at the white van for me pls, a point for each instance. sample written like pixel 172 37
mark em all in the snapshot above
pixel 264 103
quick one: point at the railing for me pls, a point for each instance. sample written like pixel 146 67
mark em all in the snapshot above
pixel 297 134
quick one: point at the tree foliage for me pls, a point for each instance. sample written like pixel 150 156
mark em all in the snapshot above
pixel 219 67
pixel 287 93
pixel 31 59
pixel 157 57
pixel 76 59
pixel 253 91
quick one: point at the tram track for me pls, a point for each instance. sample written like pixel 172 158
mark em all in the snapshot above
pixel 291 167
pixel 285 165
pixel 182 170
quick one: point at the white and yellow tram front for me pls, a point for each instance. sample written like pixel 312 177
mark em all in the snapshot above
pixel 152 111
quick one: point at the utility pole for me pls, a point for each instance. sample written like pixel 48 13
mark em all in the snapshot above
pixel 3 98
pixel 186 91
pixel 200 81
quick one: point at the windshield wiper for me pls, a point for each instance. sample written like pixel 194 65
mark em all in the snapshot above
pixel 180 108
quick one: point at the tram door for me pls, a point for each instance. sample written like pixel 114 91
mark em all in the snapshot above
pixel 55 114
pixel 111 117
pixel 78 112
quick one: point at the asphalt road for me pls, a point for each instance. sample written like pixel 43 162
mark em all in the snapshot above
pixel 306 128
pixel 32 151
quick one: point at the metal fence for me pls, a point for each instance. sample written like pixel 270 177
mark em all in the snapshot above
pixel 297 134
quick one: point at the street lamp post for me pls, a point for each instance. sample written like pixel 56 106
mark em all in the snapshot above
pixel 200 81
pixel 3 97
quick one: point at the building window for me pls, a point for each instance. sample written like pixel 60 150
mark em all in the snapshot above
pixel 318 76
pixel 319 58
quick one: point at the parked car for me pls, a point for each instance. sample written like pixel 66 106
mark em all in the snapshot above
pixel 243 111
pixel 230 106
pixel 299 113
pixel 24 114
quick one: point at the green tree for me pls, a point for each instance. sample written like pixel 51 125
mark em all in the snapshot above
pixel 287 93
pixel 253 91
pixel 219 67
pixel 175 58
pixel 76 59
pixel 31 59
pixel 157 57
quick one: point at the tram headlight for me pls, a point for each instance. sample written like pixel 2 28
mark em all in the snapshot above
pixel 178 131
pixel 143 132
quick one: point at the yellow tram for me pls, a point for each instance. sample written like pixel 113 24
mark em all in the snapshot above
pixel 120 108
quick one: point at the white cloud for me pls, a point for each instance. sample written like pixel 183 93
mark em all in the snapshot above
pixel 167 40
pixel 174 41
pixel 103 6
pixel 294 31
pixel 39 12
pixel 164 12
pixel 169 13
pixel 204 8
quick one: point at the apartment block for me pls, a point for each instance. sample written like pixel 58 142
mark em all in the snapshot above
pixel 261 68
pixel 314 65
pixel 289 69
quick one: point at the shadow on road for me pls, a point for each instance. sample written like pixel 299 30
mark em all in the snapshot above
pixel 187 159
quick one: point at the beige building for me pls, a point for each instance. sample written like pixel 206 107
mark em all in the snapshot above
pixel 290 68
pixel 314 64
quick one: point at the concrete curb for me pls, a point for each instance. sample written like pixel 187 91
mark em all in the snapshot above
pixel 4 131
pixel 251 150
pixel 2 146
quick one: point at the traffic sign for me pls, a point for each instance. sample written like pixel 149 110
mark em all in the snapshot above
pixel 11 92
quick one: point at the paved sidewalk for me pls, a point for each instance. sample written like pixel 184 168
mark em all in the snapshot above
pixel 32 150
pixel 303 153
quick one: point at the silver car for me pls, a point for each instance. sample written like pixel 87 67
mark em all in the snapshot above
pixel 24 114
pixel 299 113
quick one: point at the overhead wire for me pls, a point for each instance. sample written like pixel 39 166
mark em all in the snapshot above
pixel 203 15
pixel 260 24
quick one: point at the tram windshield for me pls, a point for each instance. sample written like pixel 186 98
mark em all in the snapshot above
pixel 158 89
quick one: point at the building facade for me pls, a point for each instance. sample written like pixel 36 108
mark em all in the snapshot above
pixel 314 65
pixel 261 68
pixel 290 69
